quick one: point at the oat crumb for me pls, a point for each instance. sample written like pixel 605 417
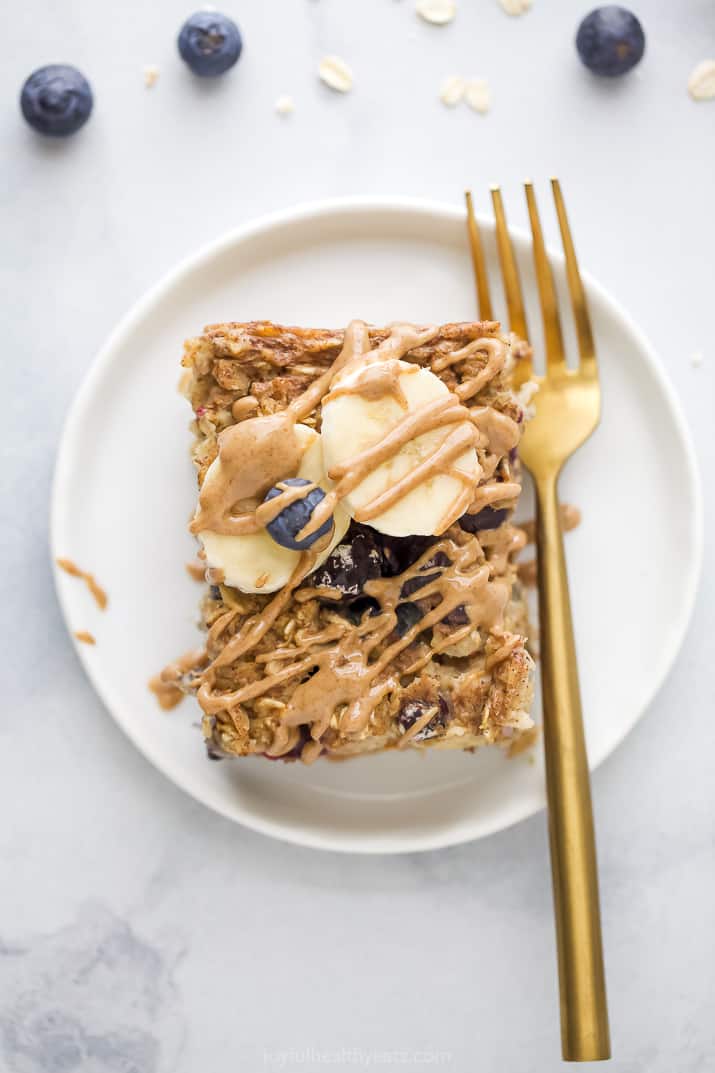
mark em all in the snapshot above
pixel 515 7
pixel 452 90
pixel 478 96
pixel 151 74
pixel 196 570
pixel 85 637
pixel 525 741
pixel 701 84
pixel 284 105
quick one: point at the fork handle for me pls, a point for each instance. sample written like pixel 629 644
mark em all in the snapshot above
pixel 584 1014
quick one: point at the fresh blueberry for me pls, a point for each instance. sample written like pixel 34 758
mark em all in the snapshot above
pixel 412 710
pixel 399 553
pixel 408 615
pixel 215 592
pixel 351 564
pixel 210 43
pixel 487 518
pixel 285 526
pixel 610 41
pixel 357 609
pixel 56 100
pixel 457 616
pixel 413 584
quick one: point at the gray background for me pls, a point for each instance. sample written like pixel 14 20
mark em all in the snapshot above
pixel 139 932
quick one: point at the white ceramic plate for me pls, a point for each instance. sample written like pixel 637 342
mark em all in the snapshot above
pixel 124 490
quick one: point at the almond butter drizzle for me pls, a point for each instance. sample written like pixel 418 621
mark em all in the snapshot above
pixel 348 678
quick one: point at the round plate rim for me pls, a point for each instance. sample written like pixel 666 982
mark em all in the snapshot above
pixel 254 229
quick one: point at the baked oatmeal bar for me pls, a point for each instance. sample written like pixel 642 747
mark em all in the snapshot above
pixel 356 490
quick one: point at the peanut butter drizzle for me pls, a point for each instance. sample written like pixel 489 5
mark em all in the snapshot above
pixel 376 381
pixel 260 452
pixel 253 456
pixel 96 589
pixel 486 494
pixel 346 678
pixel 164 685
pixel 496 351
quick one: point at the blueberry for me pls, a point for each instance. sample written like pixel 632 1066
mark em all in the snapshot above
pixel 210 43
pixel 399 553
pixel 357 609
pixel 487 518
pixel 215 592
pixel 56 100
pixel 285 526
pixel 408 615
pixel 413 584
pixel 457 616
pixel 351 564
pixel 412 710
pixel 610 41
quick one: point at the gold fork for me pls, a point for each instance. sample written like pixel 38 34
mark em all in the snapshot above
pixel 567 411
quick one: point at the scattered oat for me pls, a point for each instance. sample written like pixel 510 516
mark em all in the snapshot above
pixel 477 95
pixel 525 741
pixel 696 359
pixel 701 84
pixel 151 74
pixel 452 90
pixel 196 570
pixel 85 637
pixel 261 581
pixel 284 105
pixel 439 12
pixel 335 73
pixel 97 591
pixel 515 7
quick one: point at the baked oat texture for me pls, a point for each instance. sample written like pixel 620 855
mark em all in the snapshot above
pixel 455 685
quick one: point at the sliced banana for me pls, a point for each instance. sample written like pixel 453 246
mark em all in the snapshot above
pixel 352 423
pixel 254 562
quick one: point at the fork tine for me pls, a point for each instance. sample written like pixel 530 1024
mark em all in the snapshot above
pixel 509 271
pixel 484 302
pixel 586 346
pixel 512 285
pixel 555 357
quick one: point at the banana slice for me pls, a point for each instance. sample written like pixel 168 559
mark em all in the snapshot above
pixel 353 422
pixel 254 562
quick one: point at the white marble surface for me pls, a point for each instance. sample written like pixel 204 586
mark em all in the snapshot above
pixel 139 932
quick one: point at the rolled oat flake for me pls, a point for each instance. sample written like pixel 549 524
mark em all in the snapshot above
pixel 515 7
pixel 438 12
pixel 701 84
pixel 452 90
pixel 335 73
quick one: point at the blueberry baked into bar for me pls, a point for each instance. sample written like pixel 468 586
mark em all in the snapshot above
pixel 355 495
